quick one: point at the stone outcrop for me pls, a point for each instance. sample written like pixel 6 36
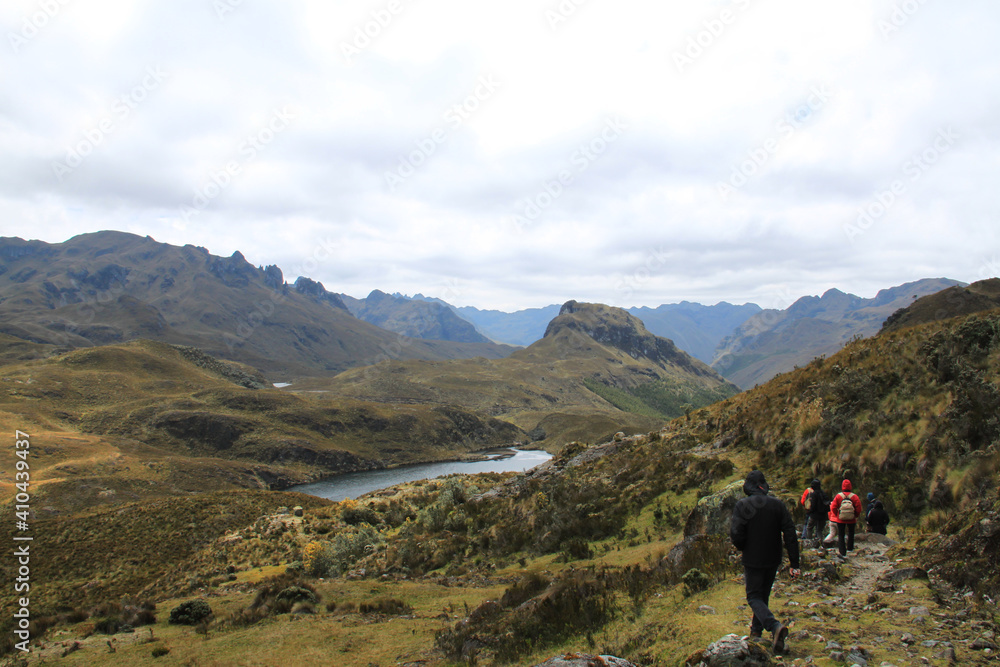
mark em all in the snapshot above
pixel 712 513
pixel 731 651
pixel 585 660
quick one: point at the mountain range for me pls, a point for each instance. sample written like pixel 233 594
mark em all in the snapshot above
pixel 112 287
pixel 597 369
pixel 776 341
pixel 745 343
pixel 156 457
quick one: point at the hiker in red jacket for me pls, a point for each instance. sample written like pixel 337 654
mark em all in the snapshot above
pixel 845 508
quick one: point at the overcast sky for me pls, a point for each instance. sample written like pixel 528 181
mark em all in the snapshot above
pixel 519 153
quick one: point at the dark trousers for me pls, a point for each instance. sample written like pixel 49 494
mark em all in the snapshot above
pixel 759 581
pixel 848 530
pixel 815 524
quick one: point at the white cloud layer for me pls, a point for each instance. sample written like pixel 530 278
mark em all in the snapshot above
pixel 516 154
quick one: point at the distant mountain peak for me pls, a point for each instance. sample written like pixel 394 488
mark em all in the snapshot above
pixel 616 328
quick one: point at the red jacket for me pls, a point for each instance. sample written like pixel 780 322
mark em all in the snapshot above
pixel 835 506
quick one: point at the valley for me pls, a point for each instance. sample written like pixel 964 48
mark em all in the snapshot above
pixel 170 464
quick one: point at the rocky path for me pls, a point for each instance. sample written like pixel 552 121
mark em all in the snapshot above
pixel 872 610
pixel 866 565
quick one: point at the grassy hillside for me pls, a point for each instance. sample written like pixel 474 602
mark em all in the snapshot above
pixel 146 419
pixel 614 548
pixel 952 302
pixel 595 362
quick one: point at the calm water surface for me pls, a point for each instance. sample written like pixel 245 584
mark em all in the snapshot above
pixel 354 484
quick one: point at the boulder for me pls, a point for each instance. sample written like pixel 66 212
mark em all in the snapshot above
pixel 585 660
pixel 712 514
pixel 731 651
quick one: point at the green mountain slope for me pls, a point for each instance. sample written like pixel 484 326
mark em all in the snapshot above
pixel 693 327
pixel 952 302
pixel 146 419
pixel 615 548
pixel 595 362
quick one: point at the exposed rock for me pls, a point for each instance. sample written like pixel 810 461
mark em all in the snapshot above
pixel 234 271
pixel 315 290
pixel 696 551
pixel 731 651
pixel 585 660
pixel 904 574
pixel 874 538
pixel 712 514
pixel 274 278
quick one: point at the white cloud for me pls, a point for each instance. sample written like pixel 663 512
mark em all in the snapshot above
pixel 321 180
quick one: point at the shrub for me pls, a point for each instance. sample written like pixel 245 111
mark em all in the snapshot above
pixel 356 516
pixel 387 606
pixel 576 548
pixel 160 651
pixel 528 587
pixel 191 612
pixel 695 581
pixel 107 625
pixel 295 594
pixel 349 546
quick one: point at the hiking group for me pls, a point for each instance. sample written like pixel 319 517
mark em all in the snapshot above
pixel 761 522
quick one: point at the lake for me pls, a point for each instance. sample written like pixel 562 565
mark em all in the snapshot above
pixel 354 484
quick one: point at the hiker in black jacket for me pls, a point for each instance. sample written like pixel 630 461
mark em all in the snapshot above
pixel 816 505
pixel 758 525
pixel 878 518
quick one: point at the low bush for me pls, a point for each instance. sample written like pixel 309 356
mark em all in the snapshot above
pixel 695 581
pixel 386 606
pixel 191 612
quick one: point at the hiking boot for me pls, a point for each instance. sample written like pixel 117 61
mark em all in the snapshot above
pixel 778 641
pixel 756 633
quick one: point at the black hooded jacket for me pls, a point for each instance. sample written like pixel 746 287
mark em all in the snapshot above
pixel 821 502
pixel 878 518
pixel 759 522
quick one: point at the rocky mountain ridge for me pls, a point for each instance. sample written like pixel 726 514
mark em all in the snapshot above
pixel 112 287
pixel 776 341
pixel 413 317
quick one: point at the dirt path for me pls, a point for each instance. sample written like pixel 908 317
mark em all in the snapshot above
pixel 864 567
